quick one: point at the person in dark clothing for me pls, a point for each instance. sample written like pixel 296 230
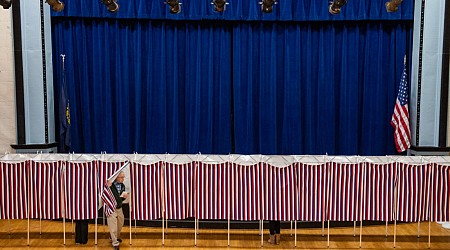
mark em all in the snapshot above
pixel 116 219
pixel 274 228
pixel 81 231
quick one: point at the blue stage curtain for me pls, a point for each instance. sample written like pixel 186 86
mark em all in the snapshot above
pixel 144 80
pixel 231 87
pixel 248 10
pixel 147 87
pixel 316 88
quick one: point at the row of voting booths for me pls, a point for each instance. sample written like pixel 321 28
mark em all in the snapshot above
pixel 233 188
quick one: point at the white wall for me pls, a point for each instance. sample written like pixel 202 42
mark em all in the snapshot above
pixel 7 91
pixel 430 94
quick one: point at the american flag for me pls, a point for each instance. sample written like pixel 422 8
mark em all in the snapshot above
pixel 400 118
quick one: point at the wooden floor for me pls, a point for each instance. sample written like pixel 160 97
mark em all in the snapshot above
pixel 13 235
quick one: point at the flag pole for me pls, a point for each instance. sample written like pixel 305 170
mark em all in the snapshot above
pixel 63 60
pixel 62 92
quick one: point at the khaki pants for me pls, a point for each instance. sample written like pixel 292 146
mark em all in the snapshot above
pixel 115 224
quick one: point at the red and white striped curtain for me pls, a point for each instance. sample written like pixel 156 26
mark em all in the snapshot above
pixel 246 192
pixel 146 194
pixel 80 186
pixel 212 191
pixel 412 192
pixel 46 190
pixel 300 191
pixel 345 191
pixel 279 185
pixel 14 190
pixel 439 193
pixel 378 202
pixel 179 190
pixel 105 170
pixel 312 192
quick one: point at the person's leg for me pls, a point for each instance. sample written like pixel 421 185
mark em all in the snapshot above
pixel 120 221
pixel 78 238
pixel 277 229
pixel 272 226
pixel 84 231
pixel 112 224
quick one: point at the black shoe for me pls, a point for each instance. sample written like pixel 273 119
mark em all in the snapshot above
pixel 118 239
pixel 116 247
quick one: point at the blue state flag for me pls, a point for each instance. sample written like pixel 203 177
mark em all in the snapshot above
pixel 64 118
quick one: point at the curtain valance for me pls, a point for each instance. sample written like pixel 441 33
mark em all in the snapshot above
pixel 245 10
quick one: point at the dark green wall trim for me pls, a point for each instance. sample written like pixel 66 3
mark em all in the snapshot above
pixel 18 67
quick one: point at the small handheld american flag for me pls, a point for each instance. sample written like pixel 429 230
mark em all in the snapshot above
pixel 109 201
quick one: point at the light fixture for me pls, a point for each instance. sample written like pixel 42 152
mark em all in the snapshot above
pixel 392 5
pixel 174 6
pixel 219 5
pixel 335 6
pixel 111 5
pixel 56 5
pixel 267 5
pixel 6 4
